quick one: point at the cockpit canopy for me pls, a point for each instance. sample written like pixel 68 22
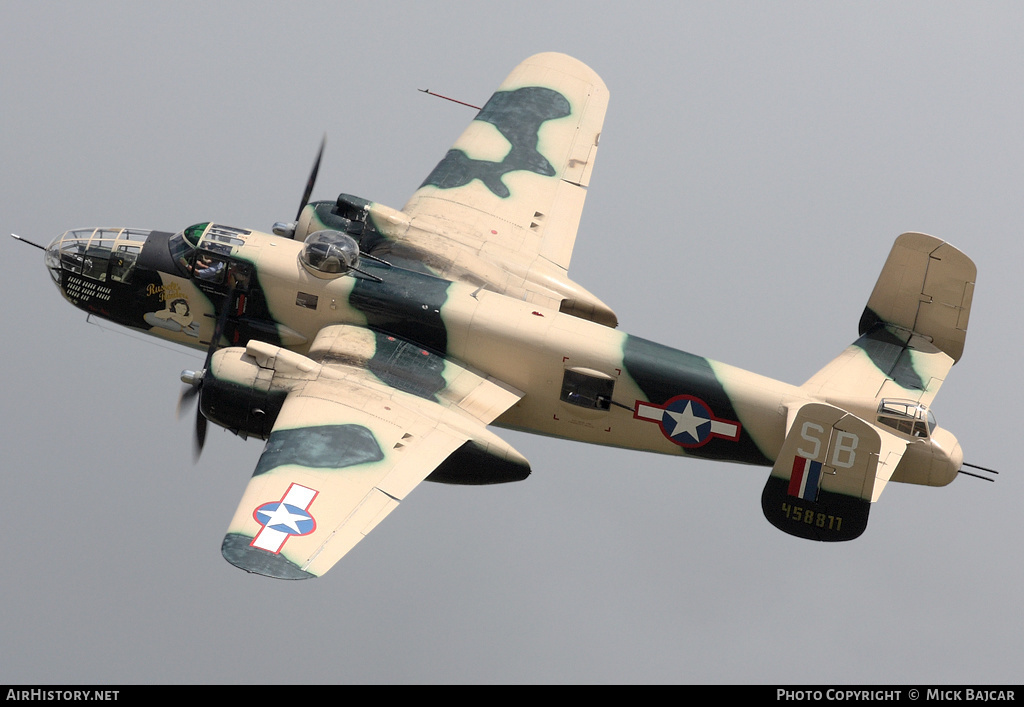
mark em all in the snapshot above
pixel 330 253
pixel 209 253
pixel 209 238
pixel 906 416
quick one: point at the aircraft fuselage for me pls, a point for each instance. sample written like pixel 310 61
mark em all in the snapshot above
pixel 581 380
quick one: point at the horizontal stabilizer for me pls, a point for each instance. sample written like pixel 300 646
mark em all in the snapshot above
pixel 925 287
pixel 912 330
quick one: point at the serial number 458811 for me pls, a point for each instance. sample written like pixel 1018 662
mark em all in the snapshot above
pixel 798 514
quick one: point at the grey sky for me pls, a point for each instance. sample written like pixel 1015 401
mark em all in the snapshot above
pixel 758 160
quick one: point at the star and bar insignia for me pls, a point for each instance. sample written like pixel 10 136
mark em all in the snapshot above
pixel 285 518
pixel 687 421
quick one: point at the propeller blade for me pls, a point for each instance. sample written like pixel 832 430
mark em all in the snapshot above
pixel 312 179
pixel 187 398
pixel 199 438
pixel 218 330
pixel 195 379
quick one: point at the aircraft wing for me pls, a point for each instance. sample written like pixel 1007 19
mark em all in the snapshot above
pixel 514 183
pixel 365 418
pixel 502 208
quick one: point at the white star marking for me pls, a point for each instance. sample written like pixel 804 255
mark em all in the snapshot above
pixel 686 422
pixel 282 516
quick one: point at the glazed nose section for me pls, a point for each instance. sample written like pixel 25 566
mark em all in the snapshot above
pixel 52 258
pixel 94 255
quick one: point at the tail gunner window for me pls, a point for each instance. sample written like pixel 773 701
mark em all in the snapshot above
pixel 906 416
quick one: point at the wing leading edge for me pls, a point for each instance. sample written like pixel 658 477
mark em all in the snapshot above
pixel 357 431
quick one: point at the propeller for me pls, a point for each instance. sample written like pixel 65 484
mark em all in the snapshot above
pixel 188 398
pixel 312 178
pixel 195 379
pixel 288 229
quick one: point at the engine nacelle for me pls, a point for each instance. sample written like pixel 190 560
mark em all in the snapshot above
pixel 239 395
pixel 347 215
pixel 245 389
pixel 478 462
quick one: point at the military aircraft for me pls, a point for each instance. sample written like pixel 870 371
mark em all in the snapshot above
pixel 372 348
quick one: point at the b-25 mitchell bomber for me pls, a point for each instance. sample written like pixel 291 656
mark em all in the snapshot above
pixel 373 348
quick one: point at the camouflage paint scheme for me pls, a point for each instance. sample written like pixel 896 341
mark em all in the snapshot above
pixel 366 383
pixel 518 116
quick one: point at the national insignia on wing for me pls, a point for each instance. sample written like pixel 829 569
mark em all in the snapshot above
pixel 284 518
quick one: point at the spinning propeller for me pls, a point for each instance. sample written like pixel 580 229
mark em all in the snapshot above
pixel 288 229
pixel 195 379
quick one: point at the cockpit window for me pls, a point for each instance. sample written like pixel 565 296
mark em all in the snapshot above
pixel 194 233
pixel 906 416
pixel 224 240
pixel 183 243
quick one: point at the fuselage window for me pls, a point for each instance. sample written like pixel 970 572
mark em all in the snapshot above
pixel 97 257
pixel 239 275
pixel 71 255
pixel 304 299
pixel 587 389
pixel 95 268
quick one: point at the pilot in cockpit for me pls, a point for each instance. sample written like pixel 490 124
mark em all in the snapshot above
pixel 209 269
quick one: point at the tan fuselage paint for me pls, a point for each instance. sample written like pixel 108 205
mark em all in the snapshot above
pixel 528 347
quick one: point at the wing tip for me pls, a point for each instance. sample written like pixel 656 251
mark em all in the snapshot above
pixel 237 550
pixel 565 63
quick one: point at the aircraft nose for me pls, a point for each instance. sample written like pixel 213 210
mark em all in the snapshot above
pixel 52 258
pixel 93 254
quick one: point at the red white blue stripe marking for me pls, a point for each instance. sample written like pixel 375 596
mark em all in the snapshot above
pixel 804 481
